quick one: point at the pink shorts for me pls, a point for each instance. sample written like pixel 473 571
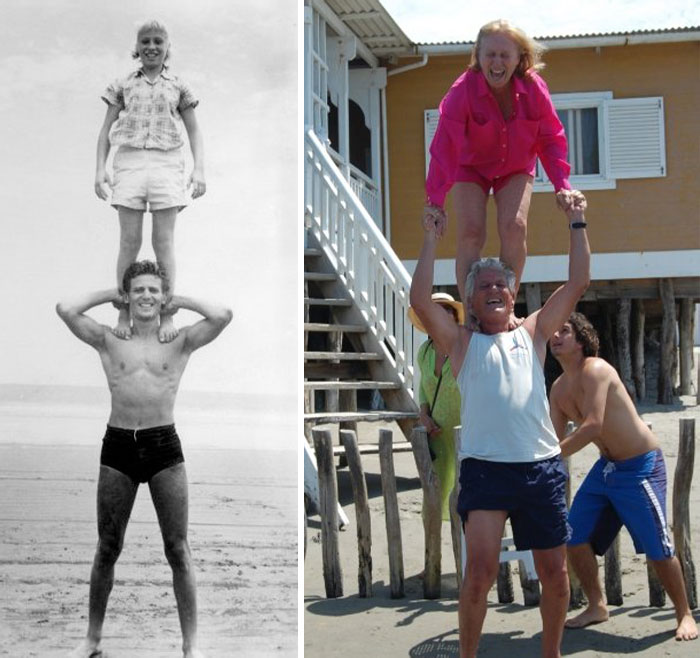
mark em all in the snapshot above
pixel 468 174
pixel 149 179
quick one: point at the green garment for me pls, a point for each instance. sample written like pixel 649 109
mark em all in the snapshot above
pixel 445 414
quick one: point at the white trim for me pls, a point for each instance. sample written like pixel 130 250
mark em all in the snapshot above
pixel 620 265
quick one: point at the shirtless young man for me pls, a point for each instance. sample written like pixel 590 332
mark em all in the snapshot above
pixel 141 444
pixel 627 485
pixel 509 451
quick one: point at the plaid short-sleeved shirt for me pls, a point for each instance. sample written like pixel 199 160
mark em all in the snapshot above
pixel 150 111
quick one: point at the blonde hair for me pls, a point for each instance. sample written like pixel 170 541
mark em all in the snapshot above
pixel 151 26
pixel 530 50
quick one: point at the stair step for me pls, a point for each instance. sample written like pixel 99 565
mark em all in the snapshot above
pixel 321 417
pixel 320 301
pixel 311 251
pixel 348 385
pixel 322 326
pixel 320 276
pixel 342 356
pixel 373 448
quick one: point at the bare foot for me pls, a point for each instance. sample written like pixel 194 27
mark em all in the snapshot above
pixel 168 331
pixel 687 629
pixel 591 615
pixel 193 653
pixel 88 649
pixel 123 328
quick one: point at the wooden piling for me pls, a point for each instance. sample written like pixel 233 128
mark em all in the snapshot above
pixel 328 492
pixel 668 332
pixel 613 576
pixel 685 339
pixel 637 341
pixel 682 482
pixel 432 513
pixel 364 524
pixel 455 520
pixel 624 355
pixel 577 598
pixel 391 513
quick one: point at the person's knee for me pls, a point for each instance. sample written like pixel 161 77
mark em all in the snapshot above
pixel 130 243
pixel 108 550
pixel 513 229
pixel 554 575
pixel 177 552
pixel 471 232
pixel 481 575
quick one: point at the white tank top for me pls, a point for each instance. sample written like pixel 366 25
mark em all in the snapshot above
pixel 505 412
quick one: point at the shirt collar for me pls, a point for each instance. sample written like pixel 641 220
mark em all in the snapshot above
pixel 164 74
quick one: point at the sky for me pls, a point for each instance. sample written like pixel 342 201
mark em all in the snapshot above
pixel 236 245
pixel 426 21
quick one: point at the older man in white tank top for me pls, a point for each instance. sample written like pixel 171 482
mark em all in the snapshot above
pixel 511 465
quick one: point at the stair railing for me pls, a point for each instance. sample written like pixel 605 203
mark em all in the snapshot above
pixel 374 276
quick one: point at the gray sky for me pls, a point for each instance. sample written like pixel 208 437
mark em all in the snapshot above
pixel 458 20
pixel 236 245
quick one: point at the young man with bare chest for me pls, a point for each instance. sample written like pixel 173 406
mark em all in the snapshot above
pixel 141 444
pixel 627 485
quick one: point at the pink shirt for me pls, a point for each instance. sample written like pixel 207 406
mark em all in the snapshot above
pixel 149 116
pixel 473 132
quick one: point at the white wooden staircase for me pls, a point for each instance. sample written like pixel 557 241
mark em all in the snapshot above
pixel 344 362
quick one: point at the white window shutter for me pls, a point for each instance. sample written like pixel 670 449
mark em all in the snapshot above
pixel 431 118
pixel 636 144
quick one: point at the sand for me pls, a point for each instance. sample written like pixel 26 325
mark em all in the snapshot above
pixel 243 535
pixel 414 626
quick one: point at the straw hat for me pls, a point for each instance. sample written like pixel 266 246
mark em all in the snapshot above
pixel 444 299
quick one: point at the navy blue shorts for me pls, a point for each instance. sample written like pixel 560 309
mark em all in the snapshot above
pixel 630 492
pixel 141 453
pixel 533 494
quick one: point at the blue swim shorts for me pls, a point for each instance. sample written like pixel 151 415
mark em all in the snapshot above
pixel 533 494
pixel 631 492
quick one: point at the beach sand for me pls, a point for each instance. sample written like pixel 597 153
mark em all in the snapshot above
pixel 243 536
pixel 413 626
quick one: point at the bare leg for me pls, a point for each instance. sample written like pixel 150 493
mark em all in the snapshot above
pixel 513 204
pixel 551 570
pixel 163 239
pixel 115 498
pixel 469 202
pixel 671 577
pixel 483 531
pixel 131 229
pixel 584 563
pixel 169 494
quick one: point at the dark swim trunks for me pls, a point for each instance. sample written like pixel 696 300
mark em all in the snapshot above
pixel 141 453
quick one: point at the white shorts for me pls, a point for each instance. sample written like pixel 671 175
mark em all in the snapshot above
pixel 149 179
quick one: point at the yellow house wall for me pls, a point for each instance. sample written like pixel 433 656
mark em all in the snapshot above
pixel 651 214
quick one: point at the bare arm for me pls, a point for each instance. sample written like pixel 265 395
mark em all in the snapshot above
pixel 101 177
pixel 441 328
pixel 199 186
pixel 72 312
pixel 556 310
pixel 556 413
pixel 595 383
pixel 207 329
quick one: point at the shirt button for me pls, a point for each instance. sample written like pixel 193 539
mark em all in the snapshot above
pixel 503 130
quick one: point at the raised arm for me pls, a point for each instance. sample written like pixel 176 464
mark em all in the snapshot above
pixel 595 382
pixel 214 321
pixel 441 328
pixel 72 312
pixel 543 323
pixel 199 186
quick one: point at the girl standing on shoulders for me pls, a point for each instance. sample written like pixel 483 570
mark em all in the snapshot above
pixel 145 112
